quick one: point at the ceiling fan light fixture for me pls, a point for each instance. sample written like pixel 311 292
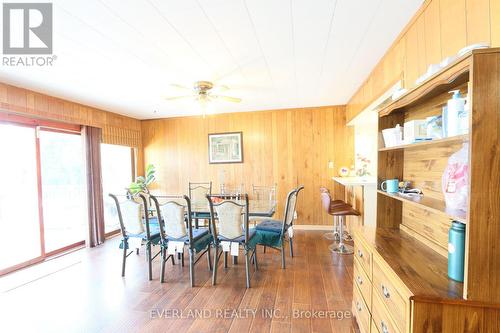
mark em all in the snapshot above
pixel 203 95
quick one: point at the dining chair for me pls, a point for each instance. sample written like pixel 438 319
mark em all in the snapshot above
pixel 264 193
pixel 136 223
pixel 174 214
pixel 197 193
pixel 232 227
pixel 232 192
pixel 274 233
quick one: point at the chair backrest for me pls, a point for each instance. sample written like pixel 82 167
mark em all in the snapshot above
pixel 260 192
pixel 174 214
pixel 232 216
pixel 198 191
pixel 291 204
pixel 132 214
pixel 326 199
pixel 323 189
pixel 231 192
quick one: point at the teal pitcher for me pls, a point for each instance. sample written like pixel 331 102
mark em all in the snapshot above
pixel 456 251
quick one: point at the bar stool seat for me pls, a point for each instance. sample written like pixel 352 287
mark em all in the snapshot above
pixel 333 207
pixel 344 210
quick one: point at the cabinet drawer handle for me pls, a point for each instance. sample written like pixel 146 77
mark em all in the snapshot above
pixel 358 306
pixel 360 254
pixel 384 327
pixel 385 291
pixel 360 280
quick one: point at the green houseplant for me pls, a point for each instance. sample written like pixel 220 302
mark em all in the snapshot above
pixel 142 182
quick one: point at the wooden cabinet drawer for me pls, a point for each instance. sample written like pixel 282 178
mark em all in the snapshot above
pixel 360 311
pixel 382 320
pixel 363 254
pixel 364 284
pixel 390 292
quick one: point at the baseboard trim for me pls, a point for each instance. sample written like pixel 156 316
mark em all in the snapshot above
pixel 312 227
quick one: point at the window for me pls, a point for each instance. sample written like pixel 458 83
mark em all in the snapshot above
pixel 117 174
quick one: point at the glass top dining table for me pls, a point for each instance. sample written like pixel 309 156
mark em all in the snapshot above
pixel 261 208
pixel 264 208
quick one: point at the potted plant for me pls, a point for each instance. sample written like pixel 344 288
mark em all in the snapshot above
pixel 142 182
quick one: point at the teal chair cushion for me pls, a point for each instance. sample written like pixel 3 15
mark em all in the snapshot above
pixel 271 225
pixel 202 242
pixel 267 238
pixel 241 239
pixel 154 231
pixel 201 239
pixel 197 234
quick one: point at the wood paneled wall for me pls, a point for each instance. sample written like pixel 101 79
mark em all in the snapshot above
pixel 439 29
pixel 117 129
pixel 288 147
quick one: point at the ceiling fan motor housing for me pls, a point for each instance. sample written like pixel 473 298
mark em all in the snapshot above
pixel 203 86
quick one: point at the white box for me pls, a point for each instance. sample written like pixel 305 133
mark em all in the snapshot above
pixel 414 130
pixel 392 136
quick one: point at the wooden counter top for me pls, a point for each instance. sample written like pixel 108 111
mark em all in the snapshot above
pixel 422 270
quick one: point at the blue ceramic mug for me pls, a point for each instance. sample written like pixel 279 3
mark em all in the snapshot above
pixel 391 186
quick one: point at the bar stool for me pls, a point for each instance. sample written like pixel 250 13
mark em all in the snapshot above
pixel 327 204
pixel 341 213
pixel 339 210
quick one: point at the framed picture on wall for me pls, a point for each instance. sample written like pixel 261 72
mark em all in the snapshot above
pixel 225 147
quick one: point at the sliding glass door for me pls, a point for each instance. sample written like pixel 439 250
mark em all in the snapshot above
pixel 64 193
pixel 43 196
pixel 20 236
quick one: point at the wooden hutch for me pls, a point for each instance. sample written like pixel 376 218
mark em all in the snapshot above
pixel 400 267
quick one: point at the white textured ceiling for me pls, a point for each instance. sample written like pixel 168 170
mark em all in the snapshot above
pixel 122 55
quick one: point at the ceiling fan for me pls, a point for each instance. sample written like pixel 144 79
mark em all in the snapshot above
pixel 202 92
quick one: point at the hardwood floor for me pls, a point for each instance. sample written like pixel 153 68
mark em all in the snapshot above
pixel 90 296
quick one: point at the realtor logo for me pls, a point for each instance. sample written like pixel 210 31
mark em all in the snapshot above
pixel 27 28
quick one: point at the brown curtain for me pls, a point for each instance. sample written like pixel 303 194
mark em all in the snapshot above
pixel 92 137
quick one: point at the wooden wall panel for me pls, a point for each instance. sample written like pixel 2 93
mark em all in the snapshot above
pixel 432 33
pixel 453 26
pixel 430 225
pixel 412 57
pixel 117 129
pixel 425 171
pixel 495 22
pixel 478 21
pixel 287 147
pixel 422 60
pixel 439 29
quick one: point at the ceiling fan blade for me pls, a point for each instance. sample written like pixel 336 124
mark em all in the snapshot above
pixel 227 98
pixel 178 97
pixel 220 88
pixel 179 86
